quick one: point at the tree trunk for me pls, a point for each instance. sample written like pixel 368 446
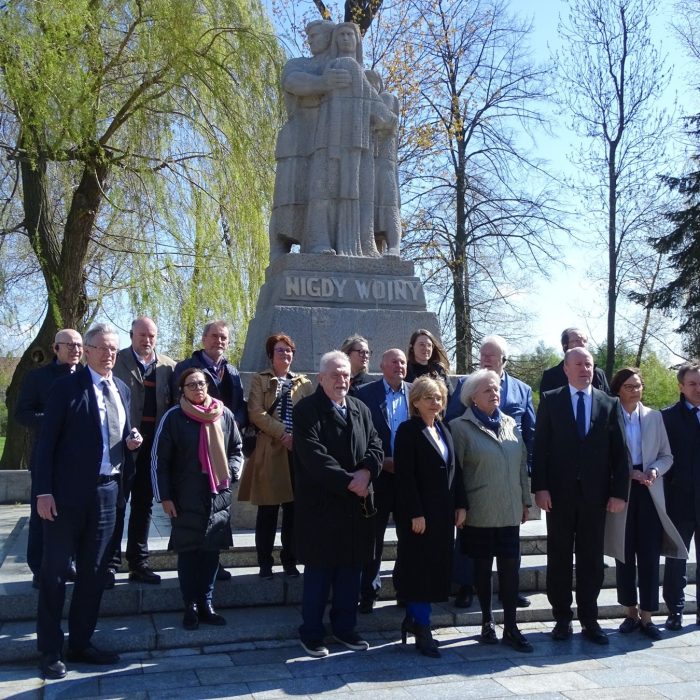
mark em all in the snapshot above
pixel 612 260
pixel 62 263
pixel 647 313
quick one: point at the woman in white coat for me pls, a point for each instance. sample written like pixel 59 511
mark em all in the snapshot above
pixel 637 536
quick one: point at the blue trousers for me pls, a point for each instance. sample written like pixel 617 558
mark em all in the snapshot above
pixel 196 572
pixel 318 582
pixel 85 531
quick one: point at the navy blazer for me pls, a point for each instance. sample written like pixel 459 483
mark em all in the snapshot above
pixel 69 449
pixel 373 395
pixel 561 459
pixel 682 480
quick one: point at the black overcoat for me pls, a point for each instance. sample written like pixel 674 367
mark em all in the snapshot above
pixel 428 486
pixel 330 522
pixel 203 519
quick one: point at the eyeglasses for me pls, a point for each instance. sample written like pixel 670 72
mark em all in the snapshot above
pixel 364 353
pixel 104 349
pixel 367 506
pixel 72 346
pixel 633 387
pixel 195 385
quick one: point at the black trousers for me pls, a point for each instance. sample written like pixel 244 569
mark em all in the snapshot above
pixel 140 496
pixel 575 526
pixel 196 573
pixel 675 578
pixel 35 535
pixel 86 531
pixel 643 533
pixel 384 502
pixel 265 530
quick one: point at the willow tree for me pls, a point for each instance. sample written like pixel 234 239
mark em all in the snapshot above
pixel 115 114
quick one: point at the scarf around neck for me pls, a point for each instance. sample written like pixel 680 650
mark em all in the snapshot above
pixel 211 452
pixel 493 423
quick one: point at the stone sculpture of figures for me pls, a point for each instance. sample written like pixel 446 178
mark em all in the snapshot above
pixel 340 213
pixel 304 82
pixel 387 200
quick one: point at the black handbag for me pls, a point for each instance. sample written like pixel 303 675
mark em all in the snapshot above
pixel 250 432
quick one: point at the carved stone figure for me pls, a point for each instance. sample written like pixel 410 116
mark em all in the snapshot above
pixel 303 83
pixel 387 200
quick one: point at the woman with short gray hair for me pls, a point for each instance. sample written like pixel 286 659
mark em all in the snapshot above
pixel 493 459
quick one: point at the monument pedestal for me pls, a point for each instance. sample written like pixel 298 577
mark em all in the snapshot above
pixel 319 300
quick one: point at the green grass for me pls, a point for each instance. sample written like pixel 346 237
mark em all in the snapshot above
pixel 2 445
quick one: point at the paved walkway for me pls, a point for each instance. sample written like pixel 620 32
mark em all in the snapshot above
pixel 631 667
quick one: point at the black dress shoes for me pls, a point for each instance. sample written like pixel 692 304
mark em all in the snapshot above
pixel 265 572
pixel 674 622
pixel 144 574
pixel 488 634
pixel 562 631
pixel 649 629
pixel 523 602
pixel 593 633
pixel 464 597
pixel 515 639
pixel 52 667
pixel 629 624
pixel 366 606
pixel 190 620
pixel 222 574
pixel 110 579
pixel 209 616
pixel 291 571
pixel 92 655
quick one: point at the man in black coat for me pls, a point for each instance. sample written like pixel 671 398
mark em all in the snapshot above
pixel 82 461
pixel 682 485
pixel 337 454
pixel 555 377
pixel 580 471
pixel 387 400
pixel 29 412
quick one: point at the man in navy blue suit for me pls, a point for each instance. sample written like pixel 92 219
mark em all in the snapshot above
pixel 387 400
pixel 682 485
pixel 29 412
pixel 81 466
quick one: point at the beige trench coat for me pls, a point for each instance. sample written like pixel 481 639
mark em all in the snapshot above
pixel 656 454
pixel 265 480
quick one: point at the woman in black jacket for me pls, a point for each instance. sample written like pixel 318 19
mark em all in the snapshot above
pixel 427 356
pixel 430 502
pixel 196 455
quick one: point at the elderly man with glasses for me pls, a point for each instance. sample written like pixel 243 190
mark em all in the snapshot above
pixel 29 412
pixel 337 455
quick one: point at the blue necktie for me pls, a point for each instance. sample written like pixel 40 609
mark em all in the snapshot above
pixel 581 415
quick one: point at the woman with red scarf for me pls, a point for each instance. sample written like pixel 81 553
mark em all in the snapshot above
pixel 196 455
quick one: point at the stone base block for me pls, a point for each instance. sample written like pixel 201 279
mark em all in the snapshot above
pixel 319 300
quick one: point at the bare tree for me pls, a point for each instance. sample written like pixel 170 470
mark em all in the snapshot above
pixel 611 78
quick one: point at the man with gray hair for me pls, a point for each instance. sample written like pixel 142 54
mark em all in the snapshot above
pixel 148 375
pixel 29 412
pixel 82 462
pixel 337 455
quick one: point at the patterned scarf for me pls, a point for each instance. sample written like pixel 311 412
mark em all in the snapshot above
pixel 492 422
pixel 212 455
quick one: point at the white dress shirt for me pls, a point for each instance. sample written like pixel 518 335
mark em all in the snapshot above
pixel 587 401
pixel 106 468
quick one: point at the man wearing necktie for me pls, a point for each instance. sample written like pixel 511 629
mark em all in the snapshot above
pixel 682 485
pixel 83 457
pixel 337 456
pixel 580 471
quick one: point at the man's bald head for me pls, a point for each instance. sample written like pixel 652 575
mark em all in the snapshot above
pixel 144 334
pixel 393 367
pixel 68 346
pixel 578 367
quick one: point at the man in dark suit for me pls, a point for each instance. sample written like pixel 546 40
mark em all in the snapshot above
pixel 148 375
pixel 554 377
pixel 81 463
pixel 29 412
pixel 682 485
pixel 337 453
pixel 387 400
pixel 580 471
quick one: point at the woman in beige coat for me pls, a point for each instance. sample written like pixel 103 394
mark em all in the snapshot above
pixel 638 535
pixel 268 480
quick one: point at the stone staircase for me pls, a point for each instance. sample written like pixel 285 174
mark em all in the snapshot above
pixel 138 617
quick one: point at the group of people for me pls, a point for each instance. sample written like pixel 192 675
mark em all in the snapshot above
pixel 613 477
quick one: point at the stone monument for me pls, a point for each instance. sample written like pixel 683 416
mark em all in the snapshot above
pixel 337 198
